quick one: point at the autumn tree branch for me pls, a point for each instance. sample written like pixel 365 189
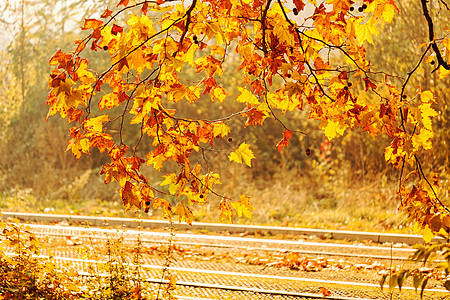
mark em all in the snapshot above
pixel 440 59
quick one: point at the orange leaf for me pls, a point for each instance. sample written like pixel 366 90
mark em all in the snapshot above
pixel 225 211
pixel 144 8
pixel 285 141
pixel 123 2
pixel 116 29
pixel 369 84
pixel 91 23
pixel 325 292
pixel 299 4
pixel 106 13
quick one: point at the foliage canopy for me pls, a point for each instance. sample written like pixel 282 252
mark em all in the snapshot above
pixel 292 56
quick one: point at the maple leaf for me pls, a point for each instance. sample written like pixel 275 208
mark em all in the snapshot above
pixel 423 139
pixel 325 292
pixel 299 5
pixel 226 213
pixel 123 2
pixel 91 23
pixel 332 128
pixel 242 153
pixel 243 207
pixel 116 29
pixel 254 117
pixel 130 196
pixel 210 64
pixel 218 93
pixel 220 129
pixel 246 96
pixel 184 212
pixel 106 13
pixel 79 146
pixel 285 141
pixel 369 84
pixel 385 9
pixel 364 31
pixel 426 113
pixel 108 101
pixel 144 8
pixel 96 124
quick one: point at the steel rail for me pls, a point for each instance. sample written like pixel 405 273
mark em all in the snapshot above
pixel 217 238
pixel 231 273
pixel 215 227
pixel 210 245
pixel 237 288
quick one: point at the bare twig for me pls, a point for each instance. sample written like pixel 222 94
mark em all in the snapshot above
pixel 440 59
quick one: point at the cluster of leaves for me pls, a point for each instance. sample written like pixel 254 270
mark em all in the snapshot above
pixel 289 58
pixel 436 265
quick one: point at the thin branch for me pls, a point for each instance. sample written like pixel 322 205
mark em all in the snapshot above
pixel 440 59
pixel 264 27
pixel 406 83
pixel 188 21
pixel 429 184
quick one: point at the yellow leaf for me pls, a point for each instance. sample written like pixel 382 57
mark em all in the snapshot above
pixel 246 96
pixel 385 9
pixel 210 64
pixel 225 211
pixel 78 146
pixel 332 128
pixel 443 72
pixel 242 153
pixel 427 234
pixel 427 96
pixel 220 129
pixel 184 212
pixel 423 139
pixel 427 112
pixel 340 5
pixel 243 207
pixel 218 93
pixel 365 31
pixel 96 124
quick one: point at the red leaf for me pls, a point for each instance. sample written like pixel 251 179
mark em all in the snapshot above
pixel 123 2
pixel 325 292
pixel 285 141
pixel 116 29
pixel 369 84
pixel 383 110
pixel 123 62
pixel 107 13
pixel 343 75
pixel 144 8
pixel 405 114
pixel 299 4
pixel 159 2
pixel 254 117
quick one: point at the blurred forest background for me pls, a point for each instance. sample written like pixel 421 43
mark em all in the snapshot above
pixel 344 184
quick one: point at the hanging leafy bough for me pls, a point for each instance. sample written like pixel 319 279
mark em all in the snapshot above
pixel 292 54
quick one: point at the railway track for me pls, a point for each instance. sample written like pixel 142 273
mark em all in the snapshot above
pixel 202 270
pixel 217 227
